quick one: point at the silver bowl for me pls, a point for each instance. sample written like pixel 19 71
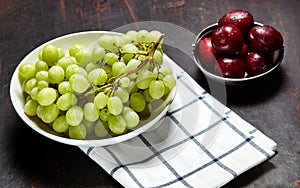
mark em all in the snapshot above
pixel 277 59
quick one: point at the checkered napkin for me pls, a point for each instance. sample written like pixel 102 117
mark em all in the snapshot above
pixel 200 143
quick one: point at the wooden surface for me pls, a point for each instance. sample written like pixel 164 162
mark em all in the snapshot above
pixel 28 159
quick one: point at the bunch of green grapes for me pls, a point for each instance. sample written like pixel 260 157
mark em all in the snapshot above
pixel 101 92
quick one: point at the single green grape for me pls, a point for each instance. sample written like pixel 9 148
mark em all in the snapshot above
pixel 27 70
pixel 83 57
pixel 66 101
pixel 107 42
pixel 169 81
pixel 100 100
pixel 60 125
pixel 131 118
pixel 156 89
pixel 122 94
pixel 31 107
pixel 118 68
pixel 90 112
pixel 91 66
pixel 79 83
pixel 97 76
pixel 34 93
pixel 132 65
pixel 42 84
pixel 98 54
pixel 101 129
pixel 75 48
pixel 41 66
pixel 132 34
pixel 47 96
pixel 74 115
pixel 117 124
pixel 77 132
pixel 124 82
pixel 64 87
pixel 158 57
pixel 114 105
pixel 111 58
pixel 154 36
pixel 42 75
pixel 143 36
pixel 56 74
pixel 137 102
pixel 50 54
pixel 89 126
pixel 144 79
pixel 147 95
pixel 29 85
pixel 49 113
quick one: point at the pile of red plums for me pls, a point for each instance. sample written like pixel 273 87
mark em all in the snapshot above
pixel 238 47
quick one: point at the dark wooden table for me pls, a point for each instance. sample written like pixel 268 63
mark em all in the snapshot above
pixel 28 159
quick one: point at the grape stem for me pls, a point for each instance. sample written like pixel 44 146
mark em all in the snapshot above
pixel 113 82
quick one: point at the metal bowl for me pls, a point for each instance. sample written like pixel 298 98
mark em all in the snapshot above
pixel 206 32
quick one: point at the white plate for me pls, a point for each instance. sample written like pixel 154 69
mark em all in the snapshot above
pixel 88 39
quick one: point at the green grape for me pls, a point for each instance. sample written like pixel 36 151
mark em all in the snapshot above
pixel 147 95
pixel 97 77
pixel 107 42
pixel 165 70
pixel 64 87
pixel 75 48
pixel 91 66
pixel 144 79
pixel 132 34
pixel 77 132
pixel 46 96
pixel 66 61
pixel 124 82
pixel 66 101
pixel 117 124
pixel 119 42
pixel 101 129
pixel 42 75
pixel 27 70
pixel 75 69
pixel 90 112
pixel 79 83
pixel 56 74
pixel 125 39
pixel 49 113
pixel 122 94
pixel 50 54
pixel 89 126
pixel 132 88
pixel 158 57
pixel 118 68
pixel 129 51
pixel 42 84
pixel 98 54
pixel 83 57
pixel 142 36
pixel 104 114
pixel 100 100
pixel 137 102
pixel 169 81
pixel 40 56
pixel 74 115
pixel 156 89
pixel 31 107
pixel 114 105
pixel 41 66
pixel 29 85
pixel 61 53
pixel 154 36
pixel 132 65
pixel 111 58
pixel 34 93
pixel 131 118
pixel 60 125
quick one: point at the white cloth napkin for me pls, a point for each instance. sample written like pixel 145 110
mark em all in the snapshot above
pixel 200 143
